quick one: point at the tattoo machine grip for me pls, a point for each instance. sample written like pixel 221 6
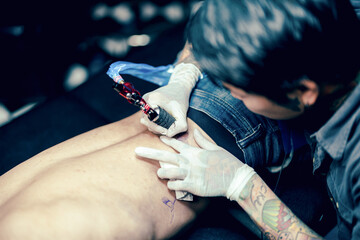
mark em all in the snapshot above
pixel 164 119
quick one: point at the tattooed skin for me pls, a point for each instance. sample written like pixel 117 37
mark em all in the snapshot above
pixel 258 200
pixel 272 216
pixel 170 205
pixel 305 236
pixel 276 215
pixel 285 236
pixel 269 236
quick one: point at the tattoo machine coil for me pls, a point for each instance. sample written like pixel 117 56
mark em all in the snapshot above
pixel 127 90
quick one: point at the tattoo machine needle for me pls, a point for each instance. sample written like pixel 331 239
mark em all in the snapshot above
pixel 127 90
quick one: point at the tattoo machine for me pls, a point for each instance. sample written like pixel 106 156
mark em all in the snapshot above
pixel 127 90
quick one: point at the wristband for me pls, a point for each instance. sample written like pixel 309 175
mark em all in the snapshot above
pixel 242 177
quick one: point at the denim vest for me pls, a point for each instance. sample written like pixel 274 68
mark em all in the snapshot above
pixel 258 138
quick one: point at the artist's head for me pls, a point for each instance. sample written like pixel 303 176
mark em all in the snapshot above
pixel 284 51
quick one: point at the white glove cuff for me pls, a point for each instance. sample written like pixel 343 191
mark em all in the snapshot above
pixel 187 74
pixel 242 177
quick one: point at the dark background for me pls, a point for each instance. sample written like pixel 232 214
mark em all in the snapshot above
pixel 40 40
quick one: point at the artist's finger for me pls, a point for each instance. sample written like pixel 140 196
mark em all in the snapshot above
pixel 178 126
pixel 203 142
pixel 158 155
pixel 175 144
pixel 172 130
pixel 153 127
pixel 172 173
pixel 178 185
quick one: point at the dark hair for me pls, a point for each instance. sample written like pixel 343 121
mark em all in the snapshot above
pixel 268 46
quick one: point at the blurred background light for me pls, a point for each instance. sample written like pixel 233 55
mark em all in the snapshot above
pixel 139 40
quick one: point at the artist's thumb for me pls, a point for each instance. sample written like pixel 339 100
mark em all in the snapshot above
pixel 153 127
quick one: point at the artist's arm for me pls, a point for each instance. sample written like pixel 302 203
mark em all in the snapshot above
pixel 272 216
pixel 174 97
pixel 211 171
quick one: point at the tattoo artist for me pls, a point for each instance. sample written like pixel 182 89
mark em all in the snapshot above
pixel 294 60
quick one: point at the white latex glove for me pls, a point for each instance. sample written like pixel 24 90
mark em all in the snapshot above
pixel 174 98
pixel 208 171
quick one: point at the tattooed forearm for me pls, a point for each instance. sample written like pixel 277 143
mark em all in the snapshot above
pixel 258 198
pixel 274 218
pixel 277 216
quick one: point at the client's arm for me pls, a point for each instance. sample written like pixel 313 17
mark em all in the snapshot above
pixel 93 187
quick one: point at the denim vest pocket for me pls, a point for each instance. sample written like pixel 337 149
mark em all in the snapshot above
pixel 252 137
pixel 253 146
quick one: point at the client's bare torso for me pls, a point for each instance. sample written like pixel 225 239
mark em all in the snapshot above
pixel 93 187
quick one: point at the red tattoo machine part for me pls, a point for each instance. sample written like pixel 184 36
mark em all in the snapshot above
pixel 127 90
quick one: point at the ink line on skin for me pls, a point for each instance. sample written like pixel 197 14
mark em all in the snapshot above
pixel 170 205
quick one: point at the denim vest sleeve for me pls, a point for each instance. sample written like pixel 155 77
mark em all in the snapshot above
pixel 258 138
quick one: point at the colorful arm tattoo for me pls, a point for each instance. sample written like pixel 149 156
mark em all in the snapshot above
pixel 274 218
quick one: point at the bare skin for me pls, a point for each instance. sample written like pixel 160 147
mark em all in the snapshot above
pixel 93 187
pixel 186 56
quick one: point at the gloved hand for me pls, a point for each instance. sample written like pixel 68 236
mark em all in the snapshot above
pixel 174 98
pixel 208 171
